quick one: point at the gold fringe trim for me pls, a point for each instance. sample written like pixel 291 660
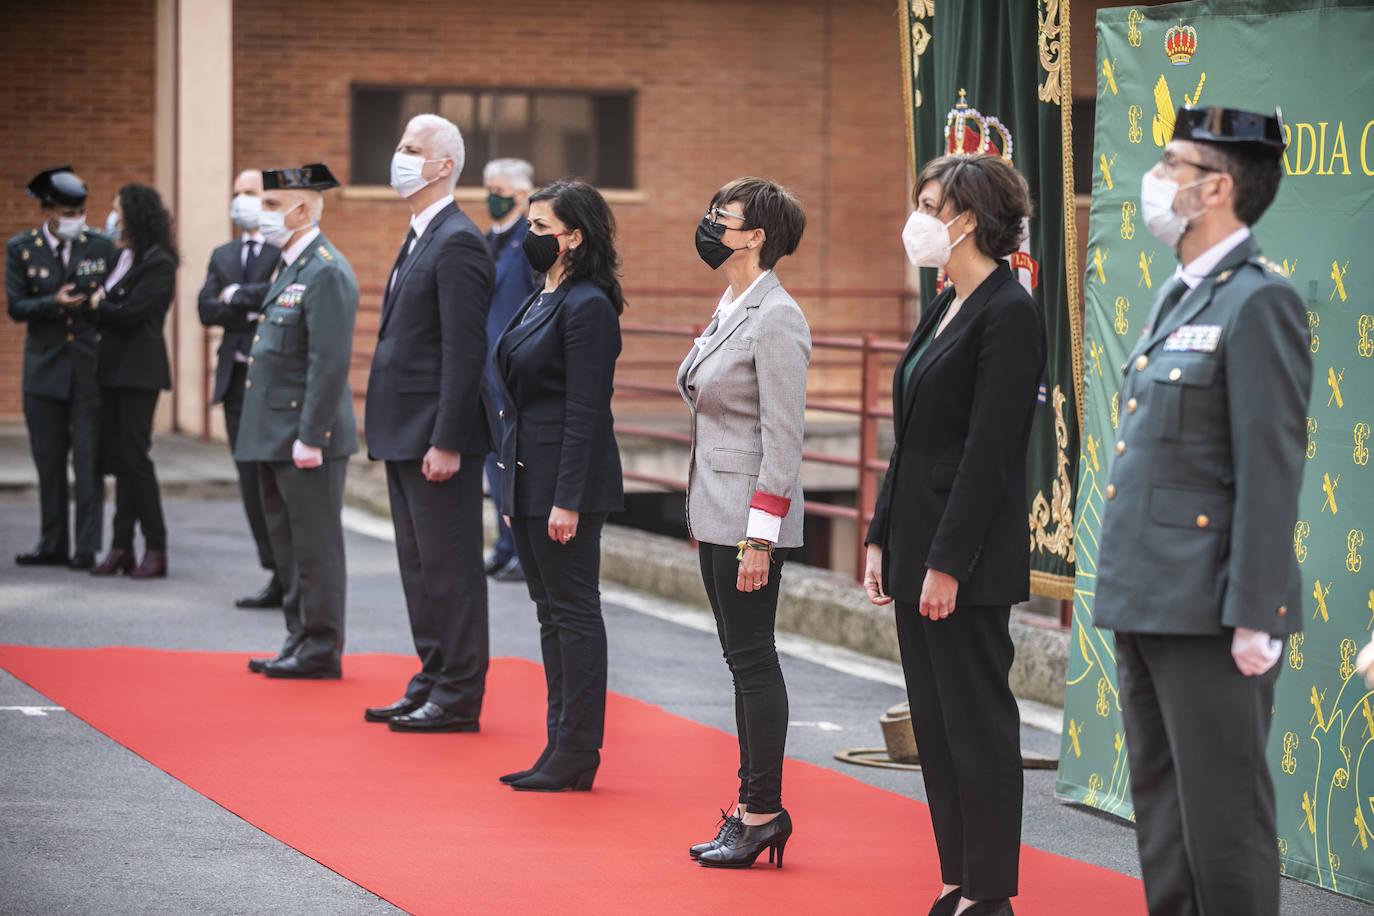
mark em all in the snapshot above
pixel 1051 585
pixel 1071 275
pixel 905 28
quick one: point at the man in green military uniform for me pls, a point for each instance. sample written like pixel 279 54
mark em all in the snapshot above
pixel 1196 572
pixel 50 272
pixel 298 419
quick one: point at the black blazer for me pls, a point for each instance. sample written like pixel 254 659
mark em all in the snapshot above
pixel 954 498
pixel 556 373
pixel 226 268
pixel 427 385
pixel 133 353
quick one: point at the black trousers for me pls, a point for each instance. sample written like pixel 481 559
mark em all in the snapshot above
pixel 58 426
pixel 968 733
pixel 439 546
pixel 564 582
pixel 126 433
pixel 1196 730
pixel 248 470
pixel 302 507
pixel 744 622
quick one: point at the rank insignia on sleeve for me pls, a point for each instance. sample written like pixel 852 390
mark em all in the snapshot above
pixel 291 296
pixel 1194 338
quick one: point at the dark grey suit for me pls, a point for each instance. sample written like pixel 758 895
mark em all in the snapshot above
pixel 297 388
pixel 226 268
pixel 1196 540
pixel 428 388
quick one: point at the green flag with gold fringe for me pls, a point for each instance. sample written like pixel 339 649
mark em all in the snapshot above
pixel 1150 61
pixel 993 77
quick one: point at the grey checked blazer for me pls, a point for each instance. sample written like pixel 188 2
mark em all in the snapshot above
pixel 747 393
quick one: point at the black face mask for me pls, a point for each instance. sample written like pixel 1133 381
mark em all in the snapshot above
pixel 712 250
pixel 541 250
pixel 499 206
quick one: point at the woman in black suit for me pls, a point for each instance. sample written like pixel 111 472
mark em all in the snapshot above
pixel 560 468
pixel 948 540
pixel 132 369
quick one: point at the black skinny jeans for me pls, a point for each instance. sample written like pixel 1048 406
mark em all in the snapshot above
pixel 744 622
pixel 126 422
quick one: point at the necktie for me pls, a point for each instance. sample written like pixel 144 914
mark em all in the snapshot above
pixel 400 259
pixel 250 258
pixel 1172 296
pixel 61 251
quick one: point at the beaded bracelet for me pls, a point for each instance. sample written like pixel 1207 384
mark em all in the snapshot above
pixel 753 544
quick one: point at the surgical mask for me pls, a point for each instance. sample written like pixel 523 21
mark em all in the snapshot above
pixel 499 206
pixel 926 240
pixel 69 227
pixel 112 225
pixel 405 174
pixel 542 251
pixel 709 245
pixel 1157 196
pixel 272 225
pixel 245 210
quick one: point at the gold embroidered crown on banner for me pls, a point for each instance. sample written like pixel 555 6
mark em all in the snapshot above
pixel 968 131
pixel 1180 42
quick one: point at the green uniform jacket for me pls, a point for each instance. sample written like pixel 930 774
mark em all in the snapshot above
pixel 60 346
pixel 297 385
pixel 1202 491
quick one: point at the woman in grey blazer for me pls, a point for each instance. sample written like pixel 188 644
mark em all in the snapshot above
pixel 745 382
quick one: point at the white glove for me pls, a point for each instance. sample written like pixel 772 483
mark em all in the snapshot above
pixel 306 456
pixel 1255 651
pixel 1364 664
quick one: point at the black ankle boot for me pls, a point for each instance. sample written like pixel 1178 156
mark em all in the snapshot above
pixel 521 774
pixel 563 770
pixel 741 847
pixel 946 905
pixel 728 822
pixel 1000 907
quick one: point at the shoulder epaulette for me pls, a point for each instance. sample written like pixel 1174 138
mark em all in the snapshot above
pixel 324 253
pixel 1264 263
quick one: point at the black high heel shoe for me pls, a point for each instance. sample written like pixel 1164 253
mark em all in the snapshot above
pixel 521 774
pixel 574 770
pixel 741 847
pixel 728 822
pixel 989 908
pixel 946 905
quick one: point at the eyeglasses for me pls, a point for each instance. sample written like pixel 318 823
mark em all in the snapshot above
pixel 713 216
pixel 1171 162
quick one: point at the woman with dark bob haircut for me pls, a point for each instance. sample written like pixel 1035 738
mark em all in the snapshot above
pixel 745 383
pixel 133 367
pixel 560 468
pixel 948 540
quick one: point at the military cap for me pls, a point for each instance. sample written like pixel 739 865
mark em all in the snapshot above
pixel 1261 134
pixel 313 177
pixel 58 187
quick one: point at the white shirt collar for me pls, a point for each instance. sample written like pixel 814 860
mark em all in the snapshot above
pixel 289 255
pixel 728 306
pixel 1202 265
pixel 53 240
pixel 254 236
pixel 420 221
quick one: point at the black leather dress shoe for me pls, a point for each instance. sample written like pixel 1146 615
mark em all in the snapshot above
pixel 267 598
pixel 511 572
pixel 432 718
pixel 39 558
pixel 387 713
pixel 82 561
pixel 259 665
pixel 293 668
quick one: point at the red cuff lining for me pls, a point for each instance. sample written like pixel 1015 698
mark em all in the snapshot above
pixel 773 505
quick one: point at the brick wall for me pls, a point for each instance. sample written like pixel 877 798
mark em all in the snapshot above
pixel 78 80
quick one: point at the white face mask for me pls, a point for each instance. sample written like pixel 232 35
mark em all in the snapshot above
pixel 405 174
pixel 245 210
pixel 69 227
pixel 272 225
pixel 112 225
pixel 1157 196
pixel 926 240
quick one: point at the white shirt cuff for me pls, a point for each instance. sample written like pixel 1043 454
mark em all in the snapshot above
pixel 227 293
pixel 763 526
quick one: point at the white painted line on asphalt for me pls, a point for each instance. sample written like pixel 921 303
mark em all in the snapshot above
pixel 846 661
pixel 820 726
pixel 32 710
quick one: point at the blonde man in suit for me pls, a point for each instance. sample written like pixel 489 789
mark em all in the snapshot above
pixel 745 383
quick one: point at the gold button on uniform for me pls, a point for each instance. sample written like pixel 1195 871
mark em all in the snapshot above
pixel 1120 447
pixel 1282 611
pixel 327 434
pixel 256 338
pixel 1202 521
pixel 248 384
pixel 1131 405
pixel 1142 361
pixel 1111 491
pixel 1175 374
pixel 293 403
pixel 71 337
pixel 250 360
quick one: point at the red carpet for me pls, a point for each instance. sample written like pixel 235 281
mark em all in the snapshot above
pixel 421 821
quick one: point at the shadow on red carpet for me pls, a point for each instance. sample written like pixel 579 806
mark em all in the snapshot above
pixel 421 821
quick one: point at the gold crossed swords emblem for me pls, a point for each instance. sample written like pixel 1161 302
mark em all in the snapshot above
pixel 1333 379
pixel 1329 488
pixel 1320 594
pixel 1337 274
pixel 1145 263
pixel 1106 165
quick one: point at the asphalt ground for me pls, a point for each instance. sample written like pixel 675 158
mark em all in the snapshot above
pixel 88 827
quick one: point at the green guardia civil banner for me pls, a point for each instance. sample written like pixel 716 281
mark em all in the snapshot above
pixel 1150 61
pixel 993 77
